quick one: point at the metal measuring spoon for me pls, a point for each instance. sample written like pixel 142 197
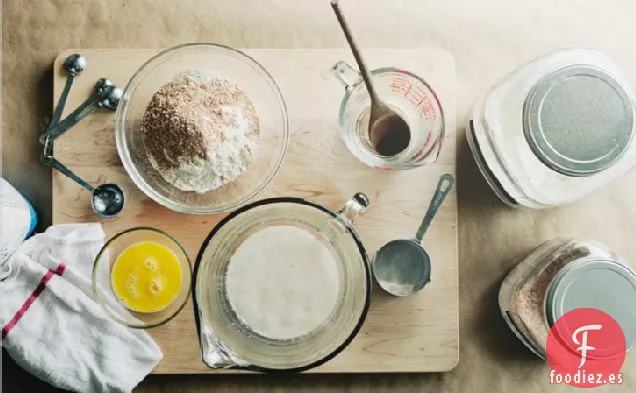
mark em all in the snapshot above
pixel 107 199
pixel 402 267
pixel 107 95
pixel 388 131
pixel 74 64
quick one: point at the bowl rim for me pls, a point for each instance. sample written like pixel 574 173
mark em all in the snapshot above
pixel 119 320
pixel 124 154
pixel 368 280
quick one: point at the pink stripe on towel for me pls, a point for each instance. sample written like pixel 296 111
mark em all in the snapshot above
pixel 34 295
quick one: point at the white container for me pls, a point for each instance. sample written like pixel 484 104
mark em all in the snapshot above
pixel 17 222
pixel 555 129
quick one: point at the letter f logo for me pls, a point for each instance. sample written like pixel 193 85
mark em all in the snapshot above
pixel 583 344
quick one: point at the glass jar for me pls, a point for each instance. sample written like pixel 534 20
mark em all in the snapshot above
pixel 555 129
pixel 562 275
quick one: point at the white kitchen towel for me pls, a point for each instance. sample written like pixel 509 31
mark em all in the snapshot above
pixel 52 327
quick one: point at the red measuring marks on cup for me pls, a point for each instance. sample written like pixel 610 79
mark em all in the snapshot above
pixel 422 98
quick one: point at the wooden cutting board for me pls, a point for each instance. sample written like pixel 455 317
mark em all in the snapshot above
pixel 416 334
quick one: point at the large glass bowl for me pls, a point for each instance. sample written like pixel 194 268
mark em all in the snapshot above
pixel 105 295
pixel 226 341
pixel 220 61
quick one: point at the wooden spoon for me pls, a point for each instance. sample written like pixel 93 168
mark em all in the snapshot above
pixel 388 132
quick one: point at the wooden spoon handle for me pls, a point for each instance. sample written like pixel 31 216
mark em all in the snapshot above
pixel 354 49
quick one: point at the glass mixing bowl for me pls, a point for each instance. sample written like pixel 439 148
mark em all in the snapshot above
pixel 220 61
pixel 105 295
pixel 227 342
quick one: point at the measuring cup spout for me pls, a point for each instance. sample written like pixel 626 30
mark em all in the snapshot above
pixel 214 353
pixel 444 185
pixel 346 74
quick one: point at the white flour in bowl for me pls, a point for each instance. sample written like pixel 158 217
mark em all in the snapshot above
pixel 282 282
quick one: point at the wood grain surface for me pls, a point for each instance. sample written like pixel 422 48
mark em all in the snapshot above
pixel 416 334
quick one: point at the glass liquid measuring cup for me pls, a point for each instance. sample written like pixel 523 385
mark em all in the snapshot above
pixel 410 97
pixel 227 341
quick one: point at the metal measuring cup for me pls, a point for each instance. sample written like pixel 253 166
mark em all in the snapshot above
pixel 403 267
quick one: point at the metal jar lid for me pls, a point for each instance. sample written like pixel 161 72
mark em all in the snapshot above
pixel 578 120
pixel 602 284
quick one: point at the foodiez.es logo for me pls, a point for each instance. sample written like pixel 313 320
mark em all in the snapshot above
pixel 586 348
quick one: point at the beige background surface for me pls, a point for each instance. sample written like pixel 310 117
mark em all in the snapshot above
pixel 487 38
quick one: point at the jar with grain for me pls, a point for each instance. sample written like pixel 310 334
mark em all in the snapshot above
pixel 555 129
pixel 562 275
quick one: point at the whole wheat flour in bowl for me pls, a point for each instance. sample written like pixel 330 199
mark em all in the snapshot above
pixel 201 131
pixel 201 128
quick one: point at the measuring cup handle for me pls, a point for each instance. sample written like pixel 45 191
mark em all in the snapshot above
pixel 346 74
pixel 354 206
pixel 444 185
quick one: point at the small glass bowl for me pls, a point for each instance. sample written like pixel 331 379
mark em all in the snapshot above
pixel 101 278
pixel 215 60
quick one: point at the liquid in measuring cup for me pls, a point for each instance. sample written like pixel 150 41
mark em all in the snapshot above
pixel 388 137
